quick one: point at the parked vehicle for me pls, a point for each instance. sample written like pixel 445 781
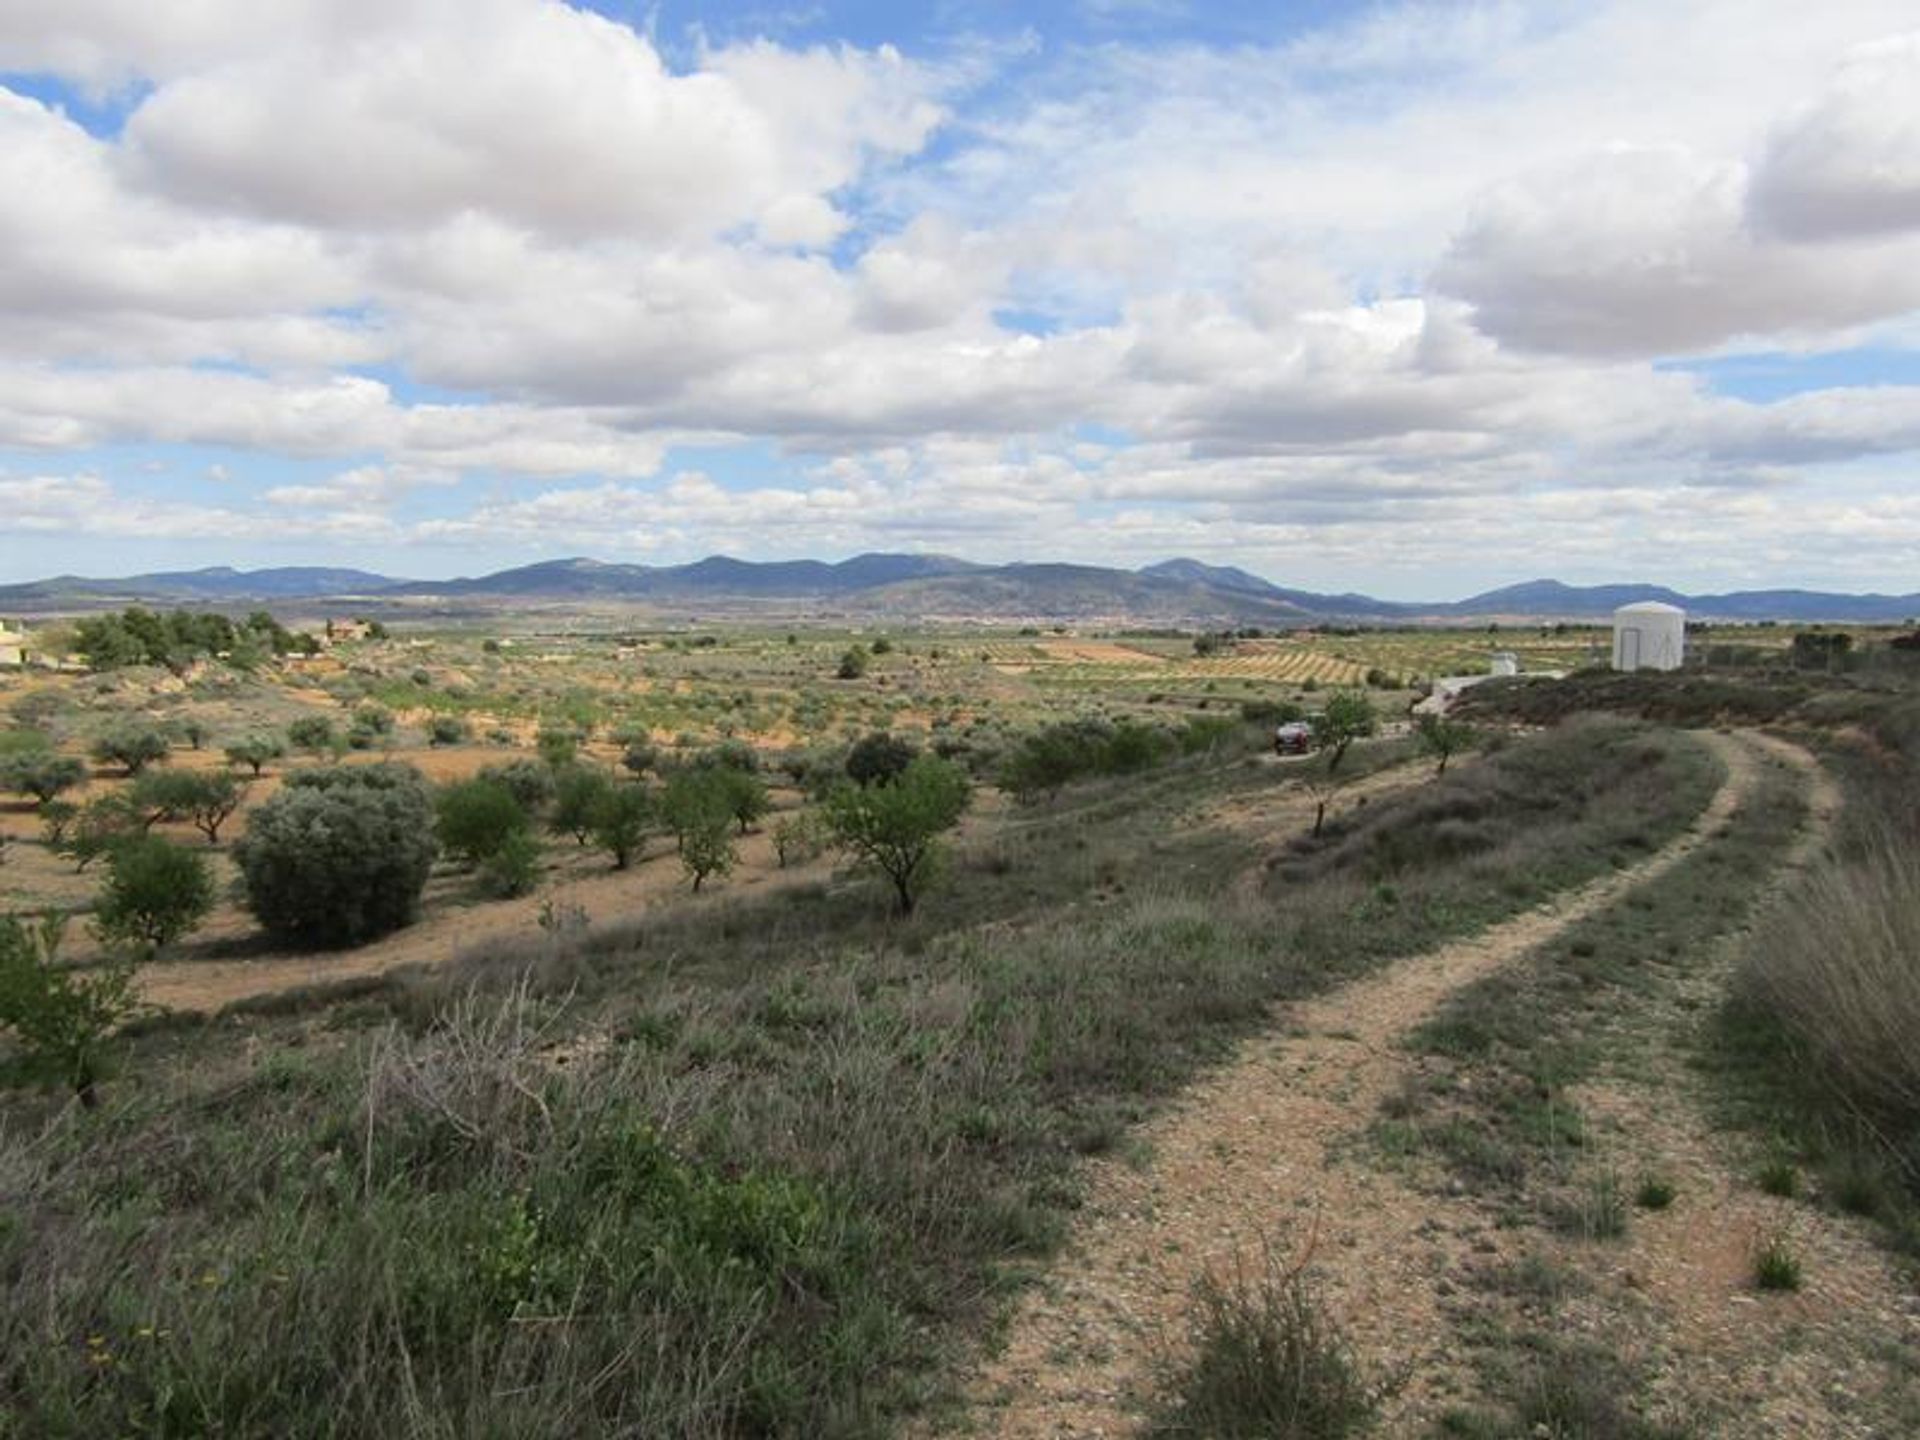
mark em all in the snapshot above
pixel 1293 738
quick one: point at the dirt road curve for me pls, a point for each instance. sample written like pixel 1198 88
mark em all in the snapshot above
pixel 1253 1151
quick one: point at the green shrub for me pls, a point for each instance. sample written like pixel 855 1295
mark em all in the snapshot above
pixel 448 730
pixel 853 663
pixel 340 855
pixel 512 869
pixel 154 894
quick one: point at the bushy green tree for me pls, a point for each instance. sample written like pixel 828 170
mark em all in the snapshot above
pixel 1348 716
pixel 896 828
pixel 131 747
pixel 853 663
pixel 340 855
pixel 448 730
pixel 620 818
pixel 41 774
pixel 473 819
pixel 255 751
pixel 60 1016
pixel 155 893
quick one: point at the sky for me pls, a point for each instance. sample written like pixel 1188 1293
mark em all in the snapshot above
pixel 1408 298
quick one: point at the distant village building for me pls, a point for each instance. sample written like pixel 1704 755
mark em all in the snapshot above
pixel 1649 636
pixel 13 645
pixel 339 630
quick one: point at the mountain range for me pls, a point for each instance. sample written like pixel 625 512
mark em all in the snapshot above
pixel 1181 591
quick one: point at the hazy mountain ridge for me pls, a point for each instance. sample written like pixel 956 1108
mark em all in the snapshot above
pixel 1180 590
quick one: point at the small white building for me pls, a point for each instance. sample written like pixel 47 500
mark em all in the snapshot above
pixel 1649 636
pixel 13 645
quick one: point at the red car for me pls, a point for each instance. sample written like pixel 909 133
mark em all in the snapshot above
pixel 1293 738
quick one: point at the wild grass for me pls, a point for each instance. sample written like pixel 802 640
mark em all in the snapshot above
pixel 1836 965
pixel 1264 1361
pixel 748 1169
pixel 1499 1111
pixel 1815 1049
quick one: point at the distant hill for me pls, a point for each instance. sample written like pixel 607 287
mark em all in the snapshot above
pixel 1180 591
pixel 1077 592
pixel 1550 597
pixel 215 584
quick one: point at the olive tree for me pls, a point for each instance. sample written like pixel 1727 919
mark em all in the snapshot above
pixel 41 774
pixel 206 798
pixel 131 747
pixel 340 855
pixel 896 828
pixel 255 751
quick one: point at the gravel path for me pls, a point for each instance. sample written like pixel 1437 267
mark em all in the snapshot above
pixel 1257 1150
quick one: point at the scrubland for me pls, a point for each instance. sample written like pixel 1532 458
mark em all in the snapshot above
pixel 611 1157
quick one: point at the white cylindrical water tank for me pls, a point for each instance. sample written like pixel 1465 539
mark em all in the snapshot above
pixel 1649 636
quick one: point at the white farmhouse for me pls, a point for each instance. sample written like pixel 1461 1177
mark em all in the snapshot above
pixel 13 645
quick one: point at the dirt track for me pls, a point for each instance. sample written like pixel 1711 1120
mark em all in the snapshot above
pixel 1262 1148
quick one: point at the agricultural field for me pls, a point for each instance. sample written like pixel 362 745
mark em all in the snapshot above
pixel 1492 1075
